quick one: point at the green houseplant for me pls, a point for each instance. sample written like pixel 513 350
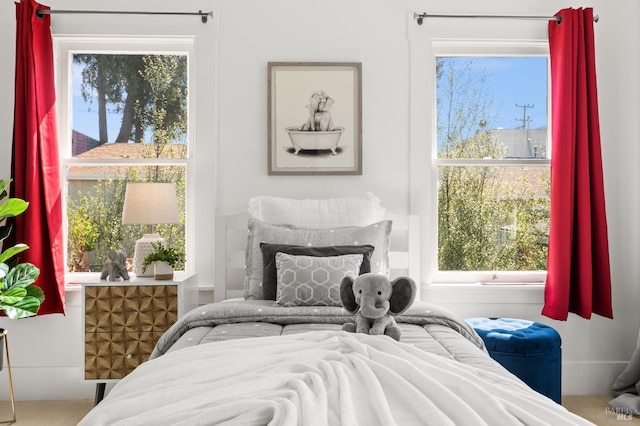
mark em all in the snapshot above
pixel 160 254
pixel 19 298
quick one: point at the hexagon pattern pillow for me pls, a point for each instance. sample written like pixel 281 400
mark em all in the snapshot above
pixel 311 280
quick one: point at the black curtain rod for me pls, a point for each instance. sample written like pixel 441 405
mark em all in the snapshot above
pixel 203 15
pixel 419 17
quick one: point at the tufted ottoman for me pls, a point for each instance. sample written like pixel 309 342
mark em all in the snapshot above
pixel 528 349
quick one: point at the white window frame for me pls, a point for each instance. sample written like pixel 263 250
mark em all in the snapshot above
pixel 64 48
pixel 457 37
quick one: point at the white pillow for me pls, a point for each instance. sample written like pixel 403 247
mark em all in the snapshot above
pixel 318 214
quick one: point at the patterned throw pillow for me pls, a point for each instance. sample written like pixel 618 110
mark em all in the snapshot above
pixel 311 280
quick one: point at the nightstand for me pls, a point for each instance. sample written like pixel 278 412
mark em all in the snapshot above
pixel 123 321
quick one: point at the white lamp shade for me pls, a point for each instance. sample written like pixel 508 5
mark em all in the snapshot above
pixel 150 203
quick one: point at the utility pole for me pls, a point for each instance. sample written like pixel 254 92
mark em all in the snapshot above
pixel 525 126
pixel 525 118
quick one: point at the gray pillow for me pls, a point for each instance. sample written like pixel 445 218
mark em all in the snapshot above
pixel 311 280
pixel 269 278
pixel 376 234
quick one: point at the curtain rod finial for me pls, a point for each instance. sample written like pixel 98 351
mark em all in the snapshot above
pixel 204 16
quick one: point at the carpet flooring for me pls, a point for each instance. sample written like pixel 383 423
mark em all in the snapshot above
pixel 595 409
pixel 69 413
pixel 46 413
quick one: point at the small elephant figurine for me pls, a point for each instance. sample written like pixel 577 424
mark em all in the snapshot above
pixel 115 267
pixel 375 300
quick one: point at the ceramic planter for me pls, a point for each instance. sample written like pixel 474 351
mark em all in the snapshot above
pixel 163 270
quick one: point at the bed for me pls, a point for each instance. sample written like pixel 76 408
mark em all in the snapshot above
pixel 261 354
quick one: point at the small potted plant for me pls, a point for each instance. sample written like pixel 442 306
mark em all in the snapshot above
pixel 164 260
pixel 19 298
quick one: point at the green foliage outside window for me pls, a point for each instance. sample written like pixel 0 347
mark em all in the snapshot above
pixel 95 222
pixel 489 219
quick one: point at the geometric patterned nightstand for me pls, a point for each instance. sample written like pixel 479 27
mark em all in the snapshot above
pixel 123 321
pixel 122 325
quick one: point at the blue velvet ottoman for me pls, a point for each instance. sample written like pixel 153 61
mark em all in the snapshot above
pixel 530 350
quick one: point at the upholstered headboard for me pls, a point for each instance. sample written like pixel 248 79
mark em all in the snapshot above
pixel 231 241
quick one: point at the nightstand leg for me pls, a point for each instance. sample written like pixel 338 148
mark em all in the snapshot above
pixel 99 393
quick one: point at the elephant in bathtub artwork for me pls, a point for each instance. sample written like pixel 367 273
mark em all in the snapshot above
pixel 318 132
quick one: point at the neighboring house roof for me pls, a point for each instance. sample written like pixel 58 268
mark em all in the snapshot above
pixel 521 180
pixel 113 150
pixel 523 143
pixel 534 181
pixel 117 151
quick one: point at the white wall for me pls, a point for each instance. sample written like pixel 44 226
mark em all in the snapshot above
pixel 231 163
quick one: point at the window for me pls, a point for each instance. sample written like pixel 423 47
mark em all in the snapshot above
pixel 491 158
pixel 480 149
pixel 125 117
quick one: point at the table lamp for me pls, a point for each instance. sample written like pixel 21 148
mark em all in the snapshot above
pixel 149 203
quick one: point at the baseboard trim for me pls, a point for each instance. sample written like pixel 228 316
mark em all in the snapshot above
pixel 590 377
pixel 46 383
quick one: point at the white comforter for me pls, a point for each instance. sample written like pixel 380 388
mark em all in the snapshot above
pixel 322 378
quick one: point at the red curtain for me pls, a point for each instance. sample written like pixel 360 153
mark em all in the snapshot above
pixel 35 164
pixel 578 275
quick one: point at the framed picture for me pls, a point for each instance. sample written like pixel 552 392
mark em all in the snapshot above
pixel 315 118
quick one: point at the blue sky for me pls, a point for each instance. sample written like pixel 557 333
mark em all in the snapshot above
pixel 516 81
pixel 85 115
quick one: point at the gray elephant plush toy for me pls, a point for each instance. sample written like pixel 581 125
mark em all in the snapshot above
pixel 375 300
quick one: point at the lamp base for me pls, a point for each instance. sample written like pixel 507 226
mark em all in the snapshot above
pixel 143 249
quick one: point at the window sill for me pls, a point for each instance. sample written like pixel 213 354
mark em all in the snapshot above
pixel 74 280
pixel 477 293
